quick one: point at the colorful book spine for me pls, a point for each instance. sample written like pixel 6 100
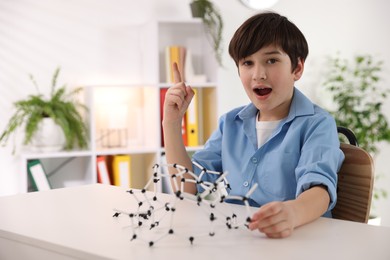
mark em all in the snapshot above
pixel 37 175
pixel 121 169
pixel 192 121
pixel 175 53
pixel 103 174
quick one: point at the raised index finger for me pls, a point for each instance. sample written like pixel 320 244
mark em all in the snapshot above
pixel 176 73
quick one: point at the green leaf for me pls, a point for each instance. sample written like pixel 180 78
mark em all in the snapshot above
pixel 359 95
pixel 62 106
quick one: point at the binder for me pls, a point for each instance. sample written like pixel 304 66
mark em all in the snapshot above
pixel 192 120
pixel 103 175
pixel 37 175
pixel 121 169
pixel 184 130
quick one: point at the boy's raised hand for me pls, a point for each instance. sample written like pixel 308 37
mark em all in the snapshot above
pixel 177 98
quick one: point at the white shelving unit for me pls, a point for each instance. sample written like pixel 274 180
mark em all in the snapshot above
pixel 134 109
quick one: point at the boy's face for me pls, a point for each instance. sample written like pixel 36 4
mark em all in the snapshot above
pixel 269 82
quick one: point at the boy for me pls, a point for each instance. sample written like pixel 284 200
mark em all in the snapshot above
pixel 281 140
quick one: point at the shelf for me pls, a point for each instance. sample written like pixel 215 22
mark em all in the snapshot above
pixel 125 119
pixel 61 154
pixel 113 151
pixel 192 84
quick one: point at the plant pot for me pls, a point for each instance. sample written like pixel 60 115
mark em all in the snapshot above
pixel 196 10
pixel 48 138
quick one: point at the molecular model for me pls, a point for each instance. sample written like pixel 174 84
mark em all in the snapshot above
pixel 154 213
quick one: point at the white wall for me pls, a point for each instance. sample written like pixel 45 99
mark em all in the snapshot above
pixel 92 42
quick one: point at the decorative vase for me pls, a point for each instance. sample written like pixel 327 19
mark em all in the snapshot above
pixel 196 10
pixel 49 137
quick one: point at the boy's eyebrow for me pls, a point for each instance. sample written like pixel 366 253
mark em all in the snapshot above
pixel 273 52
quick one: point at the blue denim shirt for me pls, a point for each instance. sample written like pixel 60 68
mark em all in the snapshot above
pixel 302 151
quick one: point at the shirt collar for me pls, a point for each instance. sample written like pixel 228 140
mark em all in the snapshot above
pixel 300 106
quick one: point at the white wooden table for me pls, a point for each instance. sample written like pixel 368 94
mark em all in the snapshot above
pixel 77 223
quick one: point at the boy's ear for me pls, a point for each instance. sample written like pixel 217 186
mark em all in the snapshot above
pixel 299 69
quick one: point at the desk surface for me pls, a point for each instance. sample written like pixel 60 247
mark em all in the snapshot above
pixel 77 223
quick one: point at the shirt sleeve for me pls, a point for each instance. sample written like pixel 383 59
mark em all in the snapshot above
pixel 321 157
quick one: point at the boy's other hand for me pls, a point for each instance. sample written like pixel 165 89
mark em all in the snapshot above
pixel 275 219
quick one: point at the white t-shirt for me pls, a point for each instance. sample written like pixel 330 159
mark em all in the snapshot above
pixel 264 130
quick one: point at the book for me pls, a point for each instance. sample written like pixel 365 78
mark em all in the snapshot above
pixel 175 53
pixel 163 91
pixel 103 174
pixel 192 120
pixel 121 170
pixel 38 176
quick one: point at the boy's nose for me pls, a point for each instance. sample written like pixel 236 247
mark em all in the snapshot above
pixel 259 74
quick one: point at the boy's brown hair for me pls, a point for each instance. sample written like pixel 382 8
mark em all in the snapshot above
pixel 266 29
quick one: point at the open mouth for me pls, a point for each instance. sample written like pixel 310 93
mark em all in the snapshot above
pixel 262 91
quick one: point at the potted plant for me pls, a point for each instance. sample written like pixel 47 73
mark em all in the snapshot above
pixel 61 108
pixel 212 19
pixel 359 99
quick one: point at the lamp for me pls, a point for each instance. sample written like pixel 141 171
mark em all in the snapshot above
pixel 119 115
pixel 114 134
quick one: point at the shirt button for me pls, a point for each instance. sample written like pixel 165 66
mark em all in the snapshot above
pixel 246 184
pixel 254 160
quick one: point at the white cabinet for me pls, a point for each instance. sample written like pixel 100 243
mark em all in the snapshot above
pixel 126 119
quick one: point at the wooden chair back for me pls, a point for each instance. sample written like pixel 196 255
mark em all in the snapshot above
pixel 355 185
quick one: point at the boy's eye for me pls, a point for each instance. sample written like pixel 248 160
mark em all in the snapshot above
pixel 247 63
pixel 271 61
